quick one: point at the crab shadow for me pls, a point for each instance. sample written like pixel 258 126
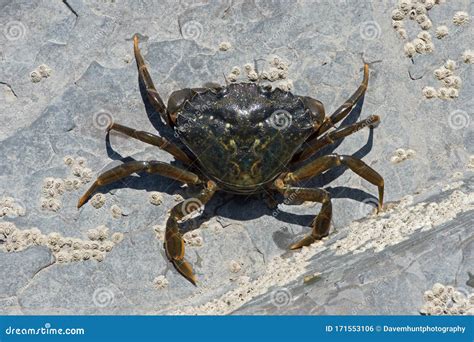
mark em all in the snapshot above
pixel 245 208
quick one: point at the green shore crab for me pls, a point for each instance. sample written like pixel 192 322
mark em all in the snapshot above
pixel 243 138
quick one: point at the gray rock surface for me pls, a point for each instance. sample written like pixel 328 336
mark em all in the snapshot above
pixel 93 78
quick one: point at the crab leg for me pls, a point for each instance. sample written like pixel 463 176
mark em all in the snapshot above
pixel 127 169
pixel 152 139
pixel 346 108
pixel 145 78
pixel 327 139
pixel 321 222
pixel 325 163
pixel 174 243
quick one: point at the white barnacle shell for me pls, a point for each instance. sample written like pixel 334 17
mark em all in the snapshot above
pixel 468 56
pixel 420 9
pixel 409 49
pixel 441 31
pixel 460 18
pixel 426 25
pixel 419 45
pixel 453 93
pixel 443 93
pixel 437 289
pixel 404 5
pixel 429 4
pixel 424 35
pixel 450 64
pixel 398 14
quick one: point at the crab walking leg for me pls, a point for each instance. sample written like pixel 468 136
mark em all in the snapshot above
pixel 321 222
pixel 342 132
pixel 145 78
pixel 127 169
pixel 325 163
pixel 346 108
pixel 152 139
pixel 174 243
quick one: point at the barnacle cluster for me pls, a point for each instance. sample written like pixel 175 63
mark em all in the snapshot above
pixel 397 223
pixel 402 154
pixel 277 71
pixel 421 44
pixel 450 82
pixel 42 71
pixel 64 249
pixel 53 188
pixel 9 207
pixel 447 300
pixel 51 192
pixel 193 238
pixel 416 10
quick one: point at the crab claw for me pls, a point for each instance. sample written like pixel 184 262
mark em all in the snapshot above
pixel 185 269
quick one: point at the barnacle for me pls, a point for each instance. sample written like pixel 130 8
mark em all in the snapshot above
pixel 410 49
pixel 98 200
pixel 224 46
pixel 468 56
pixel 442 31
pixel 235 266
pixel 450 64
pixel 160 282
pixel 460 18
pixel 35 76
pixel 429 92
pixel 117 237
pixel 116 211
